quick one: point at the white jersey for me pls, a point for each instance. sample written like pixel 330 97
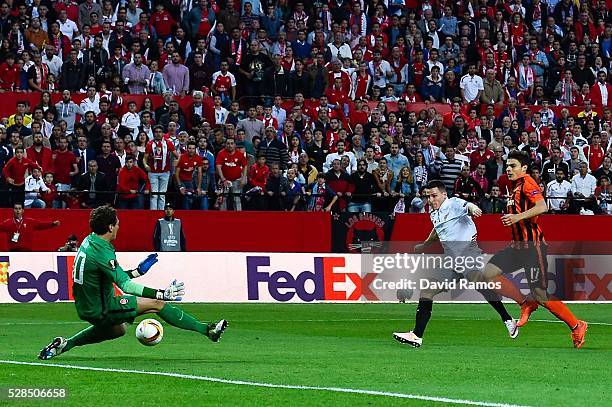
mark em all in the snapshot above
pixel 456 229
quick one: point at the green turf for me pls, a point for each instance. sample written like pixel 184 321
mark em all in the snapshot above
pixel 467 354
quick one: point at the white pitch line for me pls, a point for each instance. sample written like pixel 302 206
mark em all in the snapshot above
pixel 309 320
pixel 270 385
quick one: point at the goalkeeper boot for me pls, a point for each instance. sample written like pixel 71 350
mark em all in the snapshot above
pixel 579 333
pixel 53 349
pixel 408 338
pixel 526 309
pixel 215 330
pixel 512 327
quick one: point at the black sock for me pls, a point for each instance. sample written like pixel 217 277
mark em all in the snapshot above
pixel 423 313
pixel 494 299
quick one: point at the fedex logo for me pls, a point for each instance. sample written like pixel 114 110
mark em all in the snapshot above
pixel 283 285
pixel 23 286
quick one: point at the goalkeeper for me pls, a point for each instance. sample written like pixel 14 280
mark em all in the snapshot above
pixel 94 272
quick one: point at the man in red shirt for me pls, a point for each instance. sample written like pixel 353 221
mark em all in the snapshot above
pixel 481 155
pixel 594 153
pixel 64 166
pixel 232 168
pixel 131 178
pixel 157 162
pixel 258 178
pixel 40 154
pixel 19 230
pixel 14 173
pixel 188 174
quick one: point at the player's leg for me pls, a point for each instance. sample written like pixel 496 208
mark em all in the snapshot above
pixel 508 261
pixel 538 282
pixel 423 314
pixel 175 316
pixel 120 310
pixel 89 335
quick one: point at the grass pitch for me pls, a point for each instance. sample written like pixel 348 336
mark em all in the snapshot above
pixel 467 355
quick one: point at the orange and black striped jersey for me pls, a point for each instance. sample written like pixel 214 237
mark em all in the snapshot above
pixel 524 196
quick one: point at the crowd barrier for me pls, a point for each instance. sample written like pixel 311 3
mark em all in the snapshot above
pixel 204 230
pixel 276 277
pixel 281 231
pixel 10 99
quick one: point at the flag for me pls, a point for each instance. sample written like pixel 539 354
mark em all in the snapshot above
pixel 4 265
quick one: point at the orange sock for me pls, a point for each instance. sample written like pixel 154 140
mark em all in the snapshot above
pixel 560 310
pixel 509 290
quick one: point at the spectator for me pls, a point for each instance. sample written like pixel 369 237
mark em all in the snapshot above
pixel 557 192
pixel 136 75
pixel 273 149
pixel 168 235
pixel 40 154
pixel 176 75
pixel 132 181
pixel 93 186
pixel 276 189
pixel 232 167
pixel 251 125
pixel 471 86
pixel 493 203
pixel 467 188
pixel 34 189
pixel 157 163
pixel 363 189
pixel 19 230
pixel 322 197
pixel 188 175
pixel 583 191
pixel 14 173
pixel 550 167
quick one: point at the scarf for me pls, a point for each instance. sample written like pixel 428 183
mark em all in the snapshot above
pixel 317 202
pixel 164 152
pixel 525 75
pixel 237 51
pixel 567 92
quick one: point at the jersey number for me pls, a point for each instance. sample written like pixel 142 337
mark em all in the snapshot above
pixel 534 273
pixel 79 266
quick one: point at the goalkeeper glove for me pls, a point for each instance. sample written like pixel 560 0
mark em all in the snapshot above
pixel 173 292
pixel 145 265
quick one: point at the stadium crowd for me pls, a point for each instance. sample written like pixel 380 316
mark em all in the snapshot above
pixel 309 105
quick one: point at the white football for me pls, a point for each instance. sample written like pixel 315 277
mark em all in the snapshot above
pixel 149 332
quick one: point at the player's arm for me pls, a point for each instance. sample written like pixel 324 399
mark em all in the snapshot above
pixel 432 238
pixel 539 208
pixel 123 280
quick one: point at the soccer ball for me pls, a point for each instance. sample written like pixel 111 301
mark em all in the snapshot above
pixel 149 332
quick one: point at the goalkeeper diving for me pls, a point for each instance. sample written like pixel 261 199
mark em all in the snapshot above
pixel 94 272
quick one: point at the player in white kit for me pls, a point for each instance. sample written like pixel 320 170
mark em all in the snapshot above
pixel 456 231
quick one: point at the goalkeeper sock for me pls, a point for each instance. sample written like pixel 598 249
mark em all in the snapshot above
pixel 180 319
pixel 89 335
pixel 560 310
pixel 423 313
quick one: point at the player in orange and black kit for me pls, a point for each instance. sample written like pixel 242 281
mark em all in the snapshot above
pixel 528 249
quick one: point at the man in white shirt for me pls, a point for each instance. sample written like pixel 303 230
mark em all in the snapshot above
pixel 67 26
pixel 278 112
pixel 380 70
pixel 340 152
pixel 34 186
pixel 454 228
pixel 583 190
pixel 557 192
pixel 91 103
pixel 53 62
pixel 131 119
pixel 471 85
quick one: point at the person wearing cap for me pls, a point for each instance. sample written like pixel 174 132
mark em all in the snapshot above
pixel 168 235
pixel 273 149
